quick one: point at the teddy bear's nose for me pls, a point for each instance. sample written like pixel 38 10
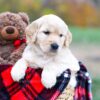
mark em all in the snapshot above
pixel 10 30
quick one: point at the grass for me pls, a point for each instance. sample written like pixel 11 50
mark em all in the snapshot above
pixel 96 89
pixel 85 35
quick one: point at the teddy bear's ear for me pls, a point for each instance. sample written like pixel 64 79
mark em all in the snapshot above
pixel 24 17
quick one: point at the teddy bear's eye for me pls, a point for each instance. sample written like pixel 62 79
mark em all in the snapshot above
pixel 46 32
pixel 61 35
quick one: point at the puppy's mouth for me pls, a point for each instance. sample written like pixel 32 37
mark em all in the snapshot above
pixel 53 51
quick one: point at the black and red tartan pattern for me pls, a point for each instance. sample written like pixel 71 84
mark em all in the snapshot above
pixel 31 88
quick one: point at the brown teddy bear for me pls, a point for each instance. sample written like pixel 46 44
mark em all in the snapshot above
pixel 12 37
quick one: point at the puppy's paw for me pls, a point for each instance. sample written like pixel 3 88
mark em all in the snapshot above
pixel 18 70
pixel 17 74
pixel 48 80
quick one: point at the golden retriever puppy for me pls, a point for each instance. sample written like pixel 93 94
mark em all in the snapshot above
pixel 48 40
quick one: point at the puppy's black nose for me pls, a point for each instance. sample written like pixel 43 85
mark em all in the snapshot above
pixel 54 46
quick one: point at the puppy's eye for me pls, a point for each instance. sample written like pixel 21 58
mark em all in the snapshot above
pixel 46 32
pixel 61 35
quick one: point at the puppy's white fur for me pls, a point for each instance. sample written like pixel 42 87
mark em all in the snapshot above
pixel 38 53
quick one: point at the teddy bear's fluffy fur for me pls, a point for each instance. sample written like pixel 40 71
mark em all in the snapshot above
pixel 12 27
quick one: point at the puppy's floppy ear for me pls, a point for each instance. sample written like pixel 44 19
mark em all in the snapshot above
pixel 68 39
pixel 31 32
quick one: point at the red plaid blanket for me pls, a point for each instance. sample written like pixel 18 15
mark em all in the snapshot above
pixel 31 88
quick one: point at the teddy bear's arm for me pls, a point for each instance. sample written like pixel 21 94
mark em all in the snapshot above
pixel 16 54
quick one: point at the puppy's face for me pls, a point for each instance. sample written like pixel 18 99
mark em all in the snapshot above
pixel 50 38
pixel 49 33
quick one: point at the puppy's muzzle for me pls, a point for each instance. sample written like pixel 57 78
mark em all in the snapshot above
pixel 54 46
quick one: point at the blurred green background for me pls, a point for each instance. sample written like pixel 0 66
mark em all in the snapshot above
pixel 83 19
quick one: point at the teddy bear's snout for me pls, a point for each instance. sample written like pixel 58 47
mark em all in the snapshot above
pixel 10 30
